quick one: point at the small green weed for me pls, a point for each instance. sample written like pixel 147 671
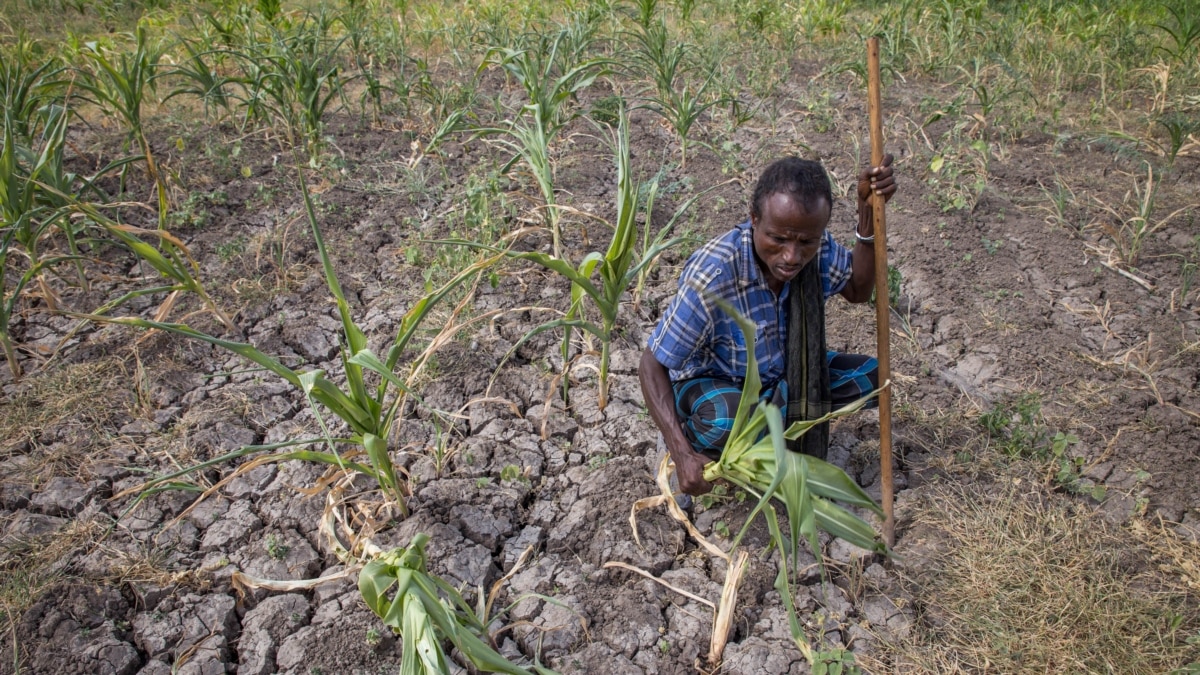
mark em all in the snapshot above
pixel 512 473
pixel 231 249
pixel 276 549
pixel 1016 424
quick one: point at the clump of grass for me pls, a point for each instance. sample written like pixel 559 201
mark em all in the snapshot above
pixel 69 395
pixel 1028 583
pixel 28 567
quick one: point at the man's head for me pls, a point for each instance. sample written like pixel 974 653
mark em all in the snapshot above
pixel 789 212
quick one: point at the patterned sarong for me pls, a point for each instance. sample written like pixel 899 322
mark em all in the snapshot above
pixel 707 405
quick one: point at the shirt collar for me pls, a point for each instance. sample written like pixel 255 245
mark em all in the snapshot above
pixel 749 273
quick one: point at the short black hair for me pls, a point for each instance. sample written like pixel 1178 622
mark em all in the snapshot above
pixel 804 180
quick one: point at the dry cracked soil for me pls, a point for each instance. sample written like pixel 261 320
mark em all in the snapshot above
pixel 1000 310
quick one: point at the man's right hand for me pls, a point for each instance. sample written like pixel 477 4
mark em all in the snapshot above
pixel 689 468
pixel 660 401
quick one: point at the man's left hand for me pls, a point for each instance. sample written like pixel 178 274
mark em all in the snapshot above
pixel 877 179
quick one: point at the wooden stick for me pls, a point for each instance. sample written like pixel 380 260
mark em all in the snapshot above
pixel 883 328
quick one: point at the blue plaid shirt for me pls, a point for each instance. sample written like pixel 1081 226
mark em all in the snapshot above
pixel 696 339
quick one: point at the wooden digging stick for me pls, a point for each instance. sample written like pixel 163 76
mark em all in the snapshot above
pixel 883 328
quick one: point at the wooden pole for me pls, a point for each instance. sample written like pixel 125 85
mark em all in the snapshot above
pixel 882 311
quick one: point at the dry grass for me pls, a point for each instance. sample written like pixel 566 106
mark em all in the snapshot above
pixel 1025 582
pixel 30 566
pixel 68 395
pixel 61 421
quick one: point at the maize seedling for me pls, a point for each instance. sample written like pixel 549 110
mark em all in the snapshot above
pixel 618 267
pixel 369 415
pixel 425 609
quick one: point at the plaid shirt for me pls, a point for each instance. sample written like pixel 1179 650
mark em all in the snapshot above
pixel 696 339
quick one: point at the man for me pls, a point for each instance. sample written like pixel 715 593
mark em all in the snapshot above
pixel 692 371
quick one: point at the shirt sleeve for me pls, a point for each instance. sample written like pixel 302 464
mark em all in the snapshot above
pixel 687 325
pixel 836 266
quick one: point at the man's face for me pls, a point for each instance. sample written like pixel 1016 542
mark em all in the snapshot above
pixel 787 236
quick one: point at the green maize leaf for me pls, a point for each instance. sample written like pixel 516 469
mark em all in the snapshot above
pixel 621 248
pixel 651 255
pixel 230 456
pixel 793 489
pixel 423 607
pixel 377 452
pixel 784 588
pixel 476 650
pixel 464 609
pixel 394 616
pixel 148 253
pixel 545 260
pixel 797 499
pixel 330 458
pixel 826 480
pixel 422 653
pixel 776 480
pixel 374 581
pixel 365 358
pixel 551 325
pixel 845 525
pixel 799 428
pixel 322 390
pixel 355 340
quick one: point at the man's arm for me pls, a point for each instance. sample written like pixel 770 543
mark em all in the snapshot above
pixel 660 400
pixel 877 180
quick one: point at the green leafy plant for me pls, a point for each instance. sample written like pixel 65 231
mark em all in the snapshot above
pixel 1016 424
pixel 1179 127
pixel 121 84
pixel 681 105
pixel 200 76
pixel 618 267
pixel 1183 31
pixel 292 77
pixel 510 473
pixel 36 194
pixel 275 547
pixel 1134 221
pixel 373 638
pixel 808 487
pixel 552 71
pixel 425 611
pixel 25 89
pixel 529 142
pixel 370 415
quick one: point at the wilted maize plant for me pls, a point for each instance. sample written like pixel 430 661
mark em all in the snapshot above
pixel 426 610
pixel 808 487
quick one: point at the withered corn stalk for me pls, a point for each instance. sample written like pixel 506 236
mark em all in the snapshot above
pixel 807 486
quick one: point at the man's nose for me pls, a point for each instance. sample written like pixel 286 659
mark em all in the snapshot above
pixel 791 253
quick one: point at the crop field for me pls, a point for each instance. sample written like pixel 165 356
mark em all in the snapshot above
pixel 321 326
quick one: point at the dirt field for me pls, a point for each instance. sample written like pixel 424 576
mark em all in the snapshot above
pixel 1046 403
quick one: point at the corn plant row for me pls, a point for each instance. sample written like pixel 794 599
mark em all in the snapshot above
pixel 369 413
pixel 619 267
